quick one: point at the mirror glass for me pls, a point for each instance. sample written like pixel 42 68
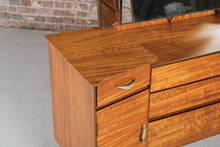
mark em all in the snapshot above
pixel 155 9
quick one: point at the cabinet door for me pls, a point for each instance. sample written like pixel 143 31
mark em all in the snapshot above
pixel 124 123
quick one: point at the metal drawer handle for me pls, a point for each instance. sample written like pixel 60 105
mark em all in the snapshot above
pixel 129 86
pixel 143 133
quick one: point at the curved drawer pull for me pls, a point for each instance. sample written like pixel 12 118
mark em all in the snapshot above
pixel 129 86
pixel 143 133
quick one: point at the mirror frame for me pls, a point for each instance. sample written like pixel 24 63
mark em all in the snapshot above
pixel 109 12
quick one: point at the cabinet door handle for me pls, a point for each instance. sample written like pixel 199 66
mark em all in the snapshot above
pixel 127 87
pixel 143 133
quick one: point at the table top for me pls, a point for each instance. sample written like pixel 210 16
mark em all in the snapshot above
pixel 102 54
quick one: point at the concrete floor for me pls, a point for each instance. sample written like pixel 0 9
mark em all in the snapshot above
pixel 25 100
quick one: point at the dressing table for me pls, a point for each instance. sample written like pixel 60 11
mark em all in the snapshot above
pixel 153 83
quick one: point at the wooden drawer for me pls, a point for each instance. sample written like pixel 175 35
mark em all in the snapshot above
pixel 185 72
pixel 120 124
pixel 185 128
pixel 108 93
pixel 180 99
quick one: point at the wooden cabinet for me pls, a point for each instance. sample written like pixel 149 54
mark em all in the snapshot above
pixel 155 85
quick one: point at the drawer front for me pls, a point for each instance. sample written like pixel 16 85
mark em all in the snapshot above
pixel 107 92
pixel 185 72
pixel 120 124
pixel 185 128
pixel 180 99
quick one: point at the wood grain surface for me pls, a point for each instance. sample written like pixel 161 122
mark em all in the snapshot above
pixel 119 125
pixel 185 128
pixel 101 54
pixel 108 93
pixel 109 14
pixel 184 98
pixel 111 3
pixel 73 101
pixel 185 72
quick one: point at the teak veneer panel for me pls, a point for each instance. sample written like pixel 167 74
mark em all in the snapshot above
pixel 108 12
pixel 112 3
pixel 184 98
pixel 73 101
pixel 185 72
pixel 120 124
pixel 108 15
pixel 185 128
pixel 98 54
pixel 108 93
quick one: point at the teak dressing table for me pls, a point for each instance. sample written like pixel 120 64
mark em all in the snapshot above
pixel 144 84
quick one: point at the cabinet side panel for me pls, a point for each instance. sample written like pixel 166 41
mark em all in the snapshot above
pixel 73 101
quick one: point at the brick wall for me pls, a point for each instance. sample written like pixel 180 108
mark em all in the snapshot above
pixel 59 15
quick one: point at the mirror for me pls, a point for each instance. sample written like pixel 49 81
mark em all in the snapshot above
pixel 144 10
pixel 112 12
